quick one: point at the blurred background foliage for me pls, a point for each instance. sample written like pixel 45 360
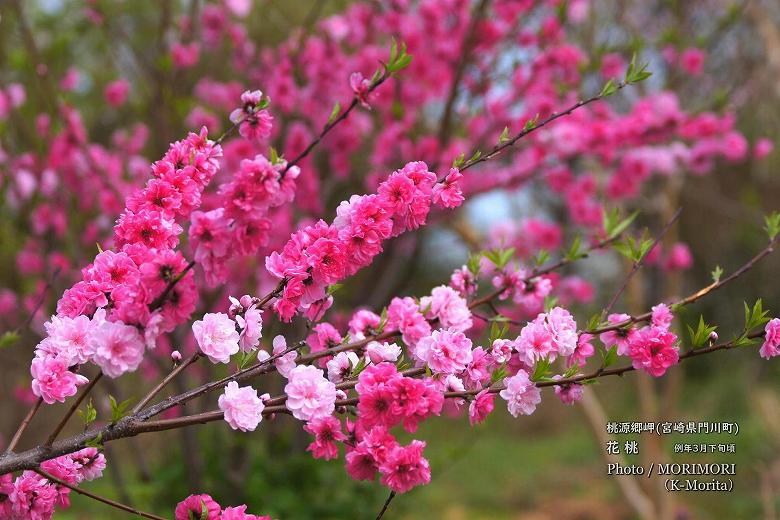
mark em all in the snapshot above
pixel 546 466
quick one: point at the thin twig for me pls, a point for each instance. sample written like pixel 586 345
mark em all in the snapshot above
pixel 167 379
pixel 93 496
pixel 73 408
pixel 638 263
pixel 387 504
pixel 23 425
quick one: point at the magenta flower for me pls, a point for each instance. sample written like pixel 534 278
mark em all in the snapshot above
pixel 327 432
pixel 771 345
pixel 653 350
pixel 480 407
pixel 405 467
pixel 195 506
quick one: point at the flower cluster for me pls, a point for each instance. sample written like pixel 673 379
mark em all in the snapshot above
pixel 206 508
pixel 34 496
pixel 322 254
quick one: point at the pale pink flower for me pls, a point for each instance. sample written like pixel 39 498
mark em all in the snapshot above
pixel 341 365
pixel 251 325
pixel 378 352
pixel 445 351
pixel 449 307
pixel 563 329
pixel 217 336
pixel 119 348
pixel 243 408
pixel 70 338
pixel 521 394
pixel 309 394
pixel 284 364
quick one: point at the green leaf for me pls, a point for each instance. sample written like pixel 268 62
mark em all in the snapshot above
pixel 716 274
pixel 497 331
pixel 9 338
pixel 459 161
pixel 382 321
pixel 609 357
pixel 541 257
pixel 334 287
pixel 498 374
pixel 359 367
pixel 635 73
pixel 499 257
pixel 531 123
pixel 88 415
pixel 575 250
pixel 756 316
pixel 119 410
pixel 473 263
pixel 772 226
pixel 475 157
pixel 95 442
pixel 613 225
pixel 274 155
pixel 609 88
pixel 504 137
pixel 700 336
pixel 334 113
pixel 542 369
pixel 550 301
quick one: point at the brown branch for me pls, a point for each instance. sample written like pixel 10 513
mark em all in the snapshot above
pixel 23 426
pixel 93 496
pixel 167 379
pixel 769 249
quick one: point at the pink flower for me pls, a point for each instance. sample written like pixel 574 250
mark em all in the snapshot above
pixel 69 338
pixel 692 61
pixel 239 513
pixel 620 337
pixel 405 467
pixel 563 329
pixel 501 350
pixel 463 281
pixel 403 314
pixel 327 432
pixel 449 307
pixel 284 364
pixel 116 92
pixel 32 497
pixel 361 88
pixel 679 258
pixel 535 342
pixel 52 381
pixel 309 394
pixel 762 148
pixel 771 346
pixel 653 350
pixel 195 506
pixel 341 365
pixel 480 407
pixel 661 316
pixel 584 350
pixel 251 325
pixel 119 348
pixel 568 393
pixel 216 336
pixel 185 55
pixel 445 351
pixel 384 351
pixel 521 394
pixel 449 194
pixel 243 408
pixel 91 463
pixel 361 322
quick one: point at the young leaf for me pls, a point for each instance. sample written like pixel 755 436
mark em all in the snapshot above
pixel 609 357
pixel 334 113
pixel 504 137
pixel 473 263
pixel 716 274
pixel 119 410
pixel 542 369
pixel 772 226
pixel 9 338
pixel 88 415
pixel 459 161
pixel 575 252
pixel 95 442
pixel 609 89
